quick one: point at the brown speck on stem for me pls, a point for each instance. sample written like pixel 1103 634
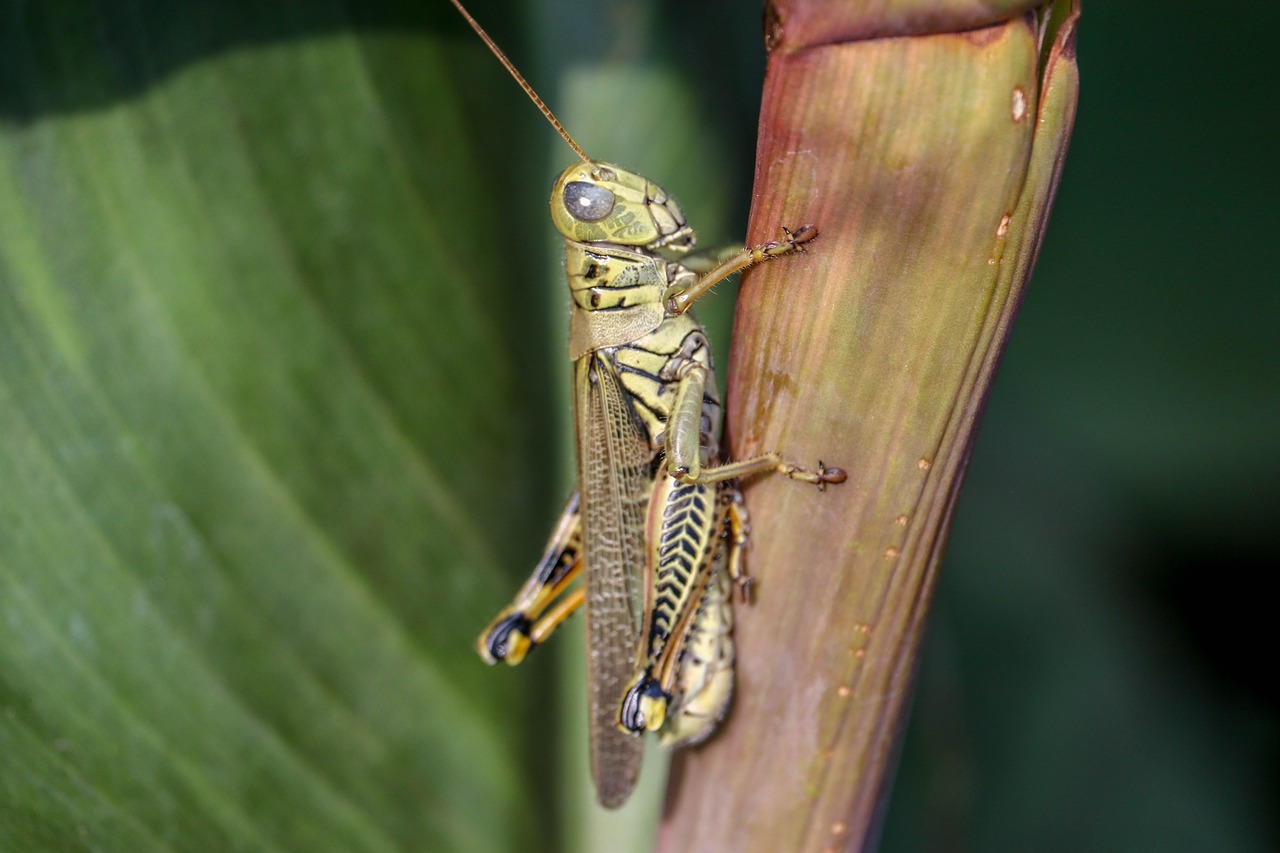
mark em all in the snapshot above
pixel 772 27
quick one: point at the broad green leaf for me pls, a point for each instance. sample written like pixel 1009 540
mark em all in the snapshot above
pixel 272 427
pixel 280 365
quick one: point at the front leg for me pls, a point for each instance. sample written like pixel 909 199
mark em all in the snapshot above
pixel 679 298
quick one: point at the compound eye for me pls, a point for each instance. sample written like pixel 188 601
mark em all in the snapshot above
pixel 588 202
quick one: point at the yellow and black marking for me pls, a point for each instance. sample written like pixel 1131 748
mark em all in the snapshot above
pixel 525 622
pixel 685 684
pixel 656 529
pixel 681 534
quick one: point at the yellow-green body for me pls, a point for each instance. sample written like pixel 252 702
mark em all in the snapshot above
pixel 657 527
pixel 631 359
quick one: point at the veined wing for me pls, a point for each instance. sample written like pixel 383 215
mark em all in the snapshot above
pixel 614 459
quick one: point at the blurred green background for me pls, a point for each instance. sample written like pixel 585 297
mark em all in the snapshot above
pixel 281 386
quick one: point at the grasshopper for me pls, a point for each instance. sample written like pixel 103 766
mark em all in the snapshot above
pixel 657 526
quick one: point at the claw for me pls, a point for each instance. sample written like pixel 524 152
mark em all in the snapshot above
pixel 819 478
pixel 829 475
pixel 801 235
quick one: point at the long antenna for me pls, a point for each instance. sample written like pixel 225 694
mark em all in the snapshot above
pixel 524 84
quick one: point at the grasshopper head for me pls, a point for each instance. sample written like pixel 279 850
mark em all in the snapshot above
pixel 595 202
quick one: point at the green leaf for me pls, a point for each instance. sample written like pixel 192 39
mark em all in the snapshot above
pixel 271 424
pixel 281 346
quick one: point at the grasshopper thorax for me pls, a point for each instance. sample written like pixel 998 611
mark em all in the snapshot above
pixel 594 202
